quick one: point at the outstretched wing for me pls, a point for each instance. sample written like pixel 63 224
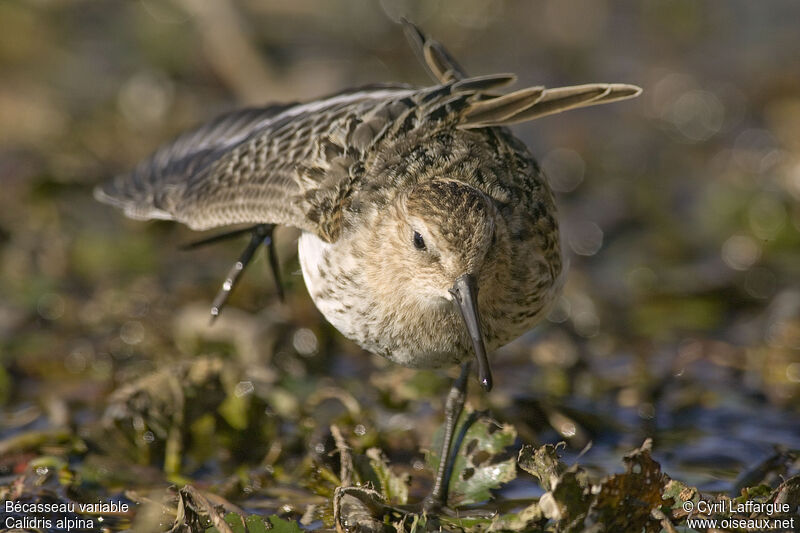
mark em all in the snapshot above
pixel 300 164
pixel 295 165
pixel 147 192
pixel 250 166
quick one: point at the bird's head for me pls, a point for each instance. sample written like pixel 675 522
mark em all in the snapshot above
pixel 446 240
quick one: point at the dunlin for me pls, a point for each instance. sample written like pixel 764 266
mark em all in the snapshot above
pixel 409 200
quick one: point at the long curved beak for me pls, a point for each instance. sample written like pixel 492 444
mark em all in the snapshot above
pixel 465 293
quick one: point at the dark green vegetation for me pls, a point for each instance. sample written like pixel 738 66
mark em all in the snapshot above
pixel 680 320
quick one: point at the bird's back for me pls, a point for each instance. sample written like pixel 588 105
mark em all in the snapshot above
pixel 302 164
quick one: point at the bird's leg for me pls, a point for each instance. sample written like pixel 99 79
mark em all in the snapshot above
pixel 260 233
pixel 217 238
pixel 272 259
pixel 452 411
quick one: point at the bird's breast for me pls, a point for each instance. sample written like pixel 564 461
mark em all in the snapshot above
pixel 401 327
pixel 418 336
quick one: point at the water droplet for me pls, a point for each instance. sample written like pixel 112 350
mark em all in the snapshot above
pixel 132 332
pixel 305 341
pixel 243 388
pixel 641 278
pixel 698 115
pixel 50 306
pixel 750 147
pixel 793 180
pixel 760 282
pixel 564 169
pixel 80 356
pixel 767 216
pixel 793 372
pixel 587 323
pixel 560 311
pixel 586 238
pixel 145 98
pixel 740 252
pixel 567 429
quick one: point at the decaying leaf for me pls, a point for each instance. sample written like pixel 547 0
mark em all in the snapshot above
pixel 481 461
pixel 568 495
pixel 359 509
pixel 157 407
pixel 625 502
pixel 543 463
pixel 363 487
pixel 528 519
pixel 641 499
pixel 788 492
pixel 569 500
pixel 371 469
pixel 195 511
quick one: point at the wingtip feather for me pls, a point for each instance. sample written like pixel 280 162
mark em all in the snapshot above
pixel 437 60
pixel 550 101
pixel 108 194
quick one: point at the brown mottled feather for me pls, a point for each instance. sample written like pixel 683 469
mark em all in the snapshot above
pixel 364 170
pixel 296 164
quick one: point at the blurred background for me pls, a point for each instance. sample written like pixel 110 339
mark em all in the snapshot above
pixel 680 216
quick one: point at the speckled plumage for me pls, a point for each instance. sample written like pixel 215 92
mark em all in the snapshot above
pixel 359 173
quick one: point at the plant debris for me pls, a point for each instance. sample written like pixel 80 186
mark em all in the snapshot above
pixel 679 319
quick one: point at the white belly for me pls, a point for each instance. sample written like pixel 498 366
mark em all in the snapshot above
pixel 314 255
pixel 321 264
pixel 334 281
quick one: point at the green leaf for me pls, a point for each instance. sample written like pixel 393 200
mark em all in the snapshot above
pixel 234 411
pixel 279 525
pixel 679 493
pixel 234 521
pixel 759 493
pixel 481 463
pixel 257 524
pixel 393 487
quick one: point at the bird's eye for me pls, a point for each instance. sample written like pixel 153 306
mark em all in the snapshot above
pixel 419 242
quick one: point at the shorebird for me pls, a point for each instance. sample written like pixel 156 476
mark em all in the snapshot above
pixel 409 200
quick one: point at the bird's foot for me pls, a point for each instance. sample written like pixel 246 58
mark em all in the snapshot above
pixel 259 234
